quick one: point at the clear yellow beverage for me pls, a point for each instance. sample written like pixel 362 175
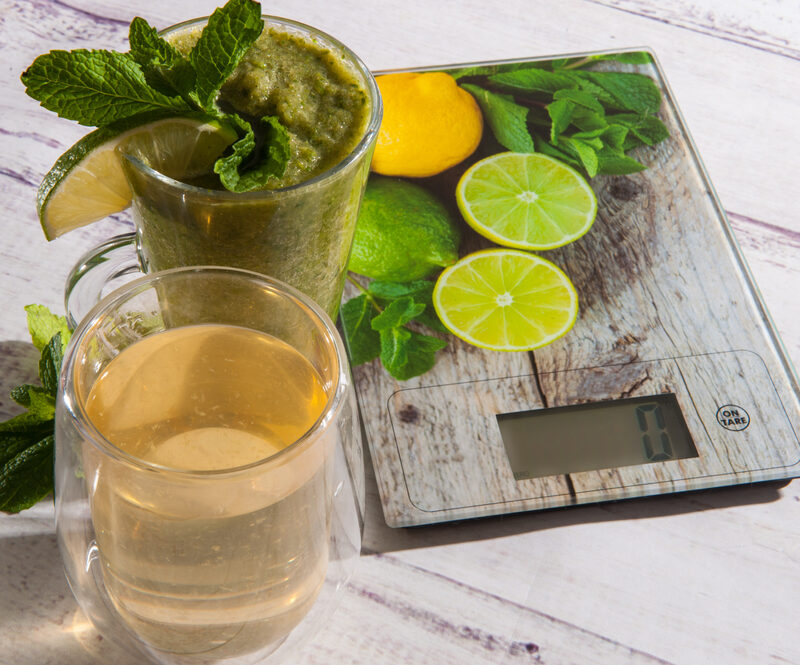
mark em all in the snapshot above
pixel 224 568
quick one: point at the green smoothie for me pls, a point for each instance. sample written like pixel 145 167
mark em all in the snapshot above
pixel 299 228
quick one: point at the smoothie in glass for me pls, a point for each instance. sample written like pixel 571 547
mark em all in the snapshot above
pixel 300 227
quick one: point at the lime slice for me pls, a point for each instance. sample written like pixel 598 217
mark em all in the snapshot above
pixel 87 182
pixel 505 300
pixel 526 200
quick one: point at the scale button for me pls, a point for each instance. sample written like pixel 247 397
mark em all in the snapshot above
pixel 733 417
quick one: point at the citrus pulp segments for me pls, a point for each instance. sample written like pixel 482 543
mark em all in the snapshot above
pixel 505 300
pixel 87 182
pixel 526 201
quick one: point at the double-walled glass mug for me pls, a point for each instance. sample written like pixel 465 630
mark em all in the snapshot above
pixel 300 234
pixel 208 468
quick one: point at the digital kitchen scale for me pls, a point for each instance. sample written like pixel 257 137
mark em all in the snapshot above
pixel 673 377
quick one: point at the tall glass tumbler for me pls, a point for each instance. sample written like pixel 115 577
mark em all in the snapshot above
pixel 173 541
pixel 300 234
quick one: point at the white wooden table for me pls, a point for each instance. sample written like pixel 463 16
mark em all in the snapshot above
pixel 692 579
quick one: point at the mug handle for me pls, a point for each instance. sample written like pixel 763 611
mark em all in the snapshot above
pixel 98 272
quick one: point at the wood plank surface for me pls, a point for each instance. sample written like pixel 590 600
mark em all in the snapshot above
pixel 692 579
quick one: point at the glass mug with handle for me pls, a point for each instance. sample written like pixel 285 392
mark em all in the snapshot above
pixel 208 469
pixel 300 233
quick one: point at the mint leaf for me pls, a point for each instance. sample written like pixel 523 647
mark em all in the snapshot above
pixel 420 352
pixel 585 151
pixel 586 120
pixel 28 476
pixel 560 112
pixel 95 88
pixel 610 162
pixel 50 364
pixel 394 348
pixel 43 324
pixel 372 332
pixel 420 290
pixel 405 353
pixel 20 432
pixel 164 68
pixel 632 58
pixel 648 129
pixel 26 440
pixel 392 290
pixel 629 91
pixel 229 33
pixel 270 163
pixel 547 148
pixel 580 98
pixel 398 313
pixel 363 342
pixel 36 399
pixel 506 118
pixel 535 80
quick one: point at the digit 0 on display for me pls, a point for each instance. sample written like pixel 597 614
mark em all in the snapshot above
pixel 598 435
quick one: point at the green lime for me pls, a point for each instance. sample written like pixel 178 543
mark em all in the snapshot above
pixel 505 300
pixel 87 182
pixel 403 232
pixel 526 200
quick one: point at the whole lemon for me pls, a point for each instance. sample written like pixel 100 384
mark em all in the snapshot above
pixel 403 232
pixel 429 124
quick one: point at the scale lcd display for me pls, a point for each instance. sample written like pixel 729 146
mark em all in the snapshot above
pixel 599 435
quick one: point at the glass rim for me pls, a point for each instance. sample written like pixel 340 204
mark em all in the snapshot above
pixel 369 135
pixel 75 405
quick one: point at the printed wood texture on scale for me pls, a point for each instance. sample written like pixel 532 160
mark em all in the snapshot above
pixel 664 307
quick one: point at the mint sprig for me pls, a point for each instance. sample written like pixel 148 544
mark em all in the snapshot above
pixel 154 80
pixel 228 35
pixel 95 88
pixel 588 119
pixel 376 325
pixel 27 440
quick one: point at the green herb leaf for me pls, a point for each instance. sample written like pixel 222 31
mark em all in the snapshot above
pixel 586 120
pixel 580 98
pixel 417 351
pixel 630 91
pixel 36 399
pixel 535 80
pixel 394 348
pixel 585 151
pixel 506 118
pixel 50 364
pixel 26 440
pixel 363 342
pixel 648 129
pixel 95 88
pixel 371 331
pixel 28 476
pixel 610 162
pixel 420 290
pixel 398 313
pixel 631 58
pixel 270 163
pixel 164 68
pixel 20 432
pixel 42 325
pixel 229 33
pixel 560 112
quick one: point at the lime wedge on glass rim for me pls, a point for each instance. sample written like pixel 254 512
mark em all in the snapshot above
pixel 87 182
pixel 526 200
pixel 505 300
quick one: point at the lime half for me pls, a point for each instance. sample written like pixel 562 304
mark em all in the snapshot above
pixel 87 182
pixel 505 300
pixel 526 200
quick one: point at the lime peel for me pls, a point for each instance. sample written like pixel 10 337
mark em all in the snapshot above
pixel 505 300
pixel 526 201
pixel 87 183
